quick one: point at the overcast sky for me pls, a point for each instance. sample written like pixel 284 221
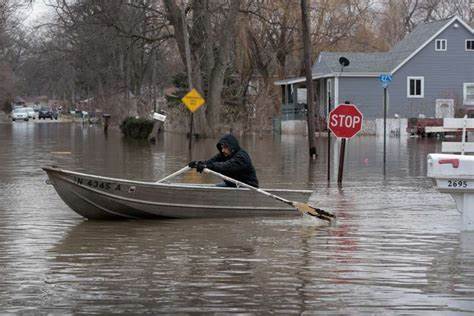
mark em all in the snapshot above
pixel 36 13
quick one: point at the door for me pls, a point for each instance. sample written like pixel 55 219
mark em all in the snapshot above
pixel 444 108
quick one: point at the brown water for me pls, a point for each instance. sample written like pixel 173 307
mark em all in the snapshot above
pixel 395 249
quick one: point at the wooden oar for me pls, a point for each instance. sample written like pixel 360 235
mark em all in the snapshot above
pixel 177 173
pixel 302 207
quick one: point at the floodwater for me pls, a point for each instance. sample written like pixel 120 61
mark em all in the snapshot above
pixel 395 248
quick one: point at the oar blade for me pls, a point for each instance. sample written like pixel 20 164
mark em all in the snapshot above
pixel 306 209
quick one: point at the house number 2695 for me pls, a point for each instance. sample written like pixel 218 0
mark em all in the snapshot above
pixel 457 183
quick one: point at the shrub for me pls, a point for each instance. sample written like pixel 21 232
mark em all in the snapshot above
pixel 138 128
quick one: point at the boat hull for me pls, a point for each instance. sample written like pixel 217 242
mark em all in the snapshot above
pixel 96 197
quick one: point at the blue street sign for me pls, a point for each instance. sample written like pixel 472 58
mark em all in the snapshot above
pixel 385 79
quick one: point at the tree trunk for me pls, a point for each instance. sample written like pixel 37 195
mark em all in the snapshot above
pixel 176 19
pixel 216 82
pixel 305 12
pixel 216 57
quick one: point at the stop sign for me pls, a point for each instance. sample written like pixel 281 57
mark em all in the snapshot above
pixel 345 120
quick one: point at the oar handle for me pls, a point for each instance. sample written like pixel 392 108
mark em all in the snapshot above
pixel 177 173
pixel 245 185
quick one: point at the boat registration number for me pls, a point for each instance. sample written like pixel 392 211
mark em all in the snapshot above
pixel 98 184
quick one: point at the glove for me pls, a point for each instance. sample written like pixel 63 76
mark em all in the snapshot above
pixel 200 166
pixel 193 164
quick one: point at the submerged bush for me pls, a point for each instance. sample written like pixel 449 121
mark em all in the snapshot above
pixel 138 128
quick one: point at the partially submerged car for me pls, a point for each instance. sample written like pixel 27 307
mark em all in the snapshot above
pixel 31 113
pixel 45 113
pixel 20 114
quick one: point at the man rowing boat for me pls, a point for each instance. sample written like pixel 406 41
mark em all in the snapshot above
pixel 231 161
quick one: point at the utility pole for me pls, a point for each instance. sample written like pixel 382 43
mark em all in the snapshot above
pixel 305 14
pixel 189 72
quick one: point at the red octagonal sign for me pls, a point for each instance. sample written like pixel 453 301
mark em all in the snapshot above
pixel 345 120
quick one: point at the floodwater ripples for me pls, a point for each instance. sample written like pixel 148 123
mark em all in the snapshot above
pixel 395 248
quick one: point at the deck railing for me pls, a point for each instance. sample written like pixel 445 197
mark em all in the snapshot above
pixel 293 112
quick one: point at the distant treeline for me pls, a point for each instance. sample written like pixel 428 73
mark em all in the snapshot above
pixel 128 55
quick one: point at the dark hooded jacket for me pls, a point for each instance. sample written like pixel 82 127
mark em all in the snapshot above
pixel 238 165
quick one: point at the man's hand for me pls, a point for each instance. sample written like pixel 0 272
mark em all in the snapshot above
pixel 193 164
pixel 200 166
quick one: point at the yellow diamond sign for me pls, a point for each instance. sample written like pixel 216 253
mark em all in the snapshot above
pixel 193 100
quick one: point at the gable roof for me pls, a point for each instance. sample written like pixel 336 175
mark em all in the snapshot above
pixel 374 64
pixel 390 61
pixel 425 31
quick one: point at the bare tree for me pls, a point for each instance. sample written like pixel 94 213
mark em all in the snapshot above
pixel 12 48
pixel 212 29
pixel 400 17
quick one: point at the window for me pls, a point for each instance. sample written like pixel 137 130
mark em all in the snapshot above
pixel 415 87
pixel 441 45
pixel 468 93
pixel 470 45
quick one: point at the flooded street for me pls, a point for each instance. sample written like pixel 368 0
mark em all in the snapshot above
pixel 395 249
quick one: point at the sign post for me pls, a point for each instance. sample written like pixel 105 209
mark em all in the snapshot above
pixel 193 101
pixel 345 121
pixel 385 79
pixel 329 145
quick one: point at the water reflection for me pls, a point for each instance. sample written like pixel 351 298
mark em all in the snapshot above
pixel 395 249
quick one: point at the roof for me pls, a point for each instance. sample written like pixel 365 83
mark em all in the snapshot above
pixel 326 75
pixel 359 62
pixel 327 63
pixel 381 62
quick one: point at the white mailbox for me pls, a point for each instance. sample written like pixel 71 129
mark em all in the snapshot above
pixel 454 174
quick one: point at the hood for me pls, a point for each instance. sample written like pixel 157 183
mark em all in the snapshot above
pixel 231 141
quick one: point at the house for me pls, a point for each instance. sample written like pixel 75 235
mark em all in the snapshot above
pixel 432 70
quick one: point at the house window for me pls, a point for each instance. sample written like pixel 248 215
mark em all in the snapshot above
pixel 468 93
pixel 470 45
pixel 441 45
pixel 415 87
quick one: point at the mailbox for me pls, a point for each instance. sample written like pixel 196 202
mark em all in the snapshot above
pixel 454 174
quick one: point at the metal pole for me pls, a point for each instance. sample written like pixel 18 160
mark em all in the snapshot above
pixel 341 161
pixel 329 138
pixel 384 127
pixel 329 154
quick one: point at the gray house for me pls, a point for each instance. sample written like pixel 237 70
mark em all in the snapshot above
pixel 432 70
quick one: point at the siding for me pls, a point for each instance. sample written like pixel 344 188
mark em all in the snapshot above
pixel 444 73
pixel 365 92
